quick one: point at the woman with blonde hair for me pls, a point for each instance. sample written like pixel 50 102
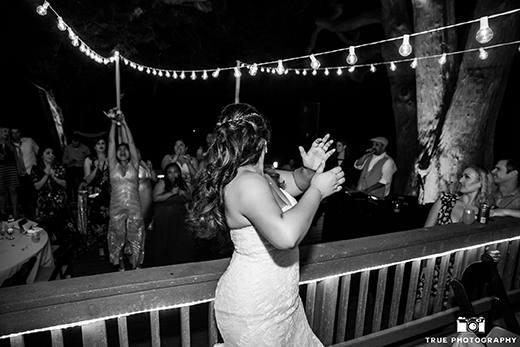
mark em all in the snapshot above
pixel 476 187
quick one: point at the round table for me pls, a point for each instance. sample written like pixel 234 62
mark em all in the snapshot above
pixel 14 253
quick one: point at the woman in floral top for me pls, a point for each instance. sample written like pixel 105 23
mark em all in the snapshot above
pixel 52 207
pixel 476 187
pixel 98 190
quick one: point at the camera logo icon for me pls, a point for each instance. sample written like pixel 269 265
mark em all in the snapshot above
pixel 472 325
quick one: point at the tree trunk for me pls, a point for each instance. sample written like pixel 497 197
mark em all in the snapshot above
pixel 468 131
pixel 396 22
pixel 435 83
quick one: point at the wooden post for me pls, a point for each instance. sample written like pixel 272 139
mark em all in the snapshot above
pixel 118 82
pixel 237 82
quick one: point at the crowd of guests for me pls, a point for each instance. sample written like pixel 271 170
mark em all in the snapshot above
pixel 122 202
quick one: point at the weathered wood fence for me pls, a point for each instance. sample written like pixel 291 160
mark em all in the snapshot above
pixel 356 292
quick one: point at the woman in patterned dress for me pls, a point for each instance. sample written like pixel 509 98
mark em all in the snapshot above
pixel 476 188
pixel 98 189
pixel 52 206
pixel 126 228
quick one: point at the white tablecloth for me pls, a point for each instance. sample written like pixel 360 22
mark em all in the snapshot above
pixel 14 253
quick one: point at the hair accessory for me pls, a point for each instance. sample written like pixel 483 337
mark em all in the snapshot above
pixel 236 120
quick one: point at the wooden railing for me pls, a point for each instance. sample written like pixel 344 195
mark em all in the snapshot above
pixel 356 292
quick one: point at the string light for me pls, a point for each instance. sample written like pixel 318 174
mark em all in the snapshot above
pixel 405 49
pixel 484 34
pixel 442 59
pixel 280 69
pixel 61 24
pixel 351 58
pixel 482 54
pixel 253 69
pixel 42 9
pixel 315 63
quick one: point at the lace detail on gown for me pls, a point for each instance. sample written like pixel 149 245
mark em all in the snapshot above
pixel 257 301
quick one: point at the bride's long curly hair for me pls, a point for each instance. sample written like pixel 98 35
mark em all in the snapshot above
pixel 239 139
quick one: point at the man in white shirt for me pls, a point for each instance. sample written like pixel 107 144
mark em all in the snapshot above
pixel 27 152
pixel 377 169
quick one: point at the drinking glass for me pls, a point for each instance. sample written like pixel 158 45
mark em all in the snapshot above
pixel 468 216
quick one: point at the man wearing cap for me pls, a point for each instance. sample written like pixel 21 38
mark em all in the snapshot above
pixel 377 169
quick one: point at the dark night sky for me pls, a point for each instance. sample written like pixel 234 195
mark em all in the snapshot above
pixel 161 111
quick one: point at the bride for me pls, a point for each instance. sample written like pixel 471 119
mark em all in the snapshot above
pixel 257 301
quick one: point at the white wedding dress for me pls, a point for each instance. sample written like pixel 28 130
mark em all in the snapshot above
pixel 257 301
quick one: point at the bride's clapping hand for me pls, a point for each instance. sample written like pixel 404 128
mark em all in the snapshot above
pixel 328 182
pixel 317 153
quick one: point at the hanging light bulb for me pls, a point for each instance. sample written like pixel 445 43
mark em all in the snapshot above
pixel 237 72
pixel 315 63
pixel 167 74
pixel 82 48
pixel 392 66
pixel 148 71
pixel 193 75
pixel 75 42
pixel 160 73
pixel 154 72
pixel 326 72
pixel 413 65
pixel 280 69
pixel 286 71
pixel 253 69
pixel 442 59
pixel 297 71
pixel 304 72
pixel 405 49
pixel 314 72
pixel 140 68
pixel 205 75
pixel 484 34
pixel 42 9
pixel 72 36
pixel 482 53
pixel 352 57
pixel 175 75
pixel 339 71
pixel 61 24
pixel 351 69
pixel 215 73
pixel 372 68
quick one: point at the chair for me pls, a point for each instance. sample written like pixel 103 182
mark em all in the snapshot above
pixel 477 279
pixel 20 277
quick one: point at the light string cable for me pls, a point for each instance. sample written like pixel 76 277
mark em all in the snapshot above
pixel 279 67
